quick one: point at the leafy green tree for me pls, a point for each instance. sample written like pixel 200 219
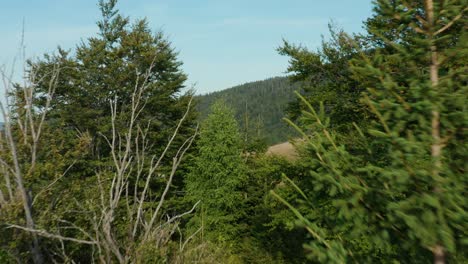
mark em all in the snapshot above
pixel 123 59
pixel 108 67
pixel 218 176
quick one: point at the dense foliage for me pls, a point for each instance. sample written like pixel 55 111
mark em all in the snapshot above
pixel 218 176
pixel 401 198
pixel 112 105
pixel 101 159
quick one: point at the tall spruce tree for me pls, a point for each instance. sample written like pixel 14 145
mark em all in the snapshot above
pixel 218 176
pixel 403 199
pixel 422 118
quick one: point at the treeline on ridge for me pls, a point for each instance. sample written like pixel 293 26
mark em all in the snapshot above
pixel 259 107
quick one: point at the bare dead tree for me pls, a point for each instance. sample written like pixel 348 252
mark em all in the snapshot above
pixel 19 138
pixel 129 152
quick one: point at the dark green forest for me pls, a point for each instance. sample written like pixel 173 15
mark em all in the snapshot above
pixel 106 156
pixel 259 107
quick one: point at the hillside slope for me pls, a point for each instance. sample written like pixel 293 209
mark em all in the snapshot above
pixel 259 106
pixel 285 150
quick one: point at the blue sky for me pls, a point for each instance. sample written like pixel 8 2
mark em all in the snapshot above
pixel 222 43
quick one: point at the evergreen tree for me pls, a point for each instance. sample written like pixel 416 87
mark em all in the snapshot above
pixel 325 76
pixel 403 199
pixel 259 107
pixel 217 177
pixel 422 119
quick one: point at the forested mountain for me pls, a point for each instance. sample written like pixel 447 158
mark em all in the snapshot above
pixel 259 107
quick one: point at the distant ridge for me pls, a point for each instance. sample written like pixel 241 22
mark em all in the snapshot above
pixel 260 104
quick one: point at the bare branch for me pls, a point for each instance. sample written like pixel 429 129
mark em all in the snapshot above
pixel 156 166
pixel 175 165
pixel 449 24
pixel 46 234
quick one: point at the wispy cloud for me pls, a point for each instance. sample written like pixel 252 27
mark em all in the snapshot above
pixel 274 22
